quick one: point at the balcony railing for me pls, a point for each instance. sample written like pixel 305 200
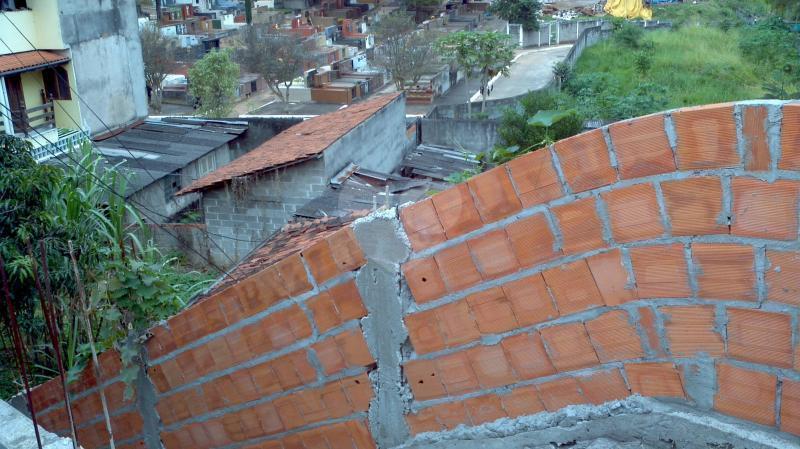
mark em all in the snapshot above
pixel 61 142
pixel 38 118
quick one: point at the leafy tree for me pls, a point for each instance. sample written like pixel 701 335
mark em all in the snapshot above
pixel 405 53
pixel 158 54
pixel 213 81
pixel 523 12
pixel 481 54
pixel 276 57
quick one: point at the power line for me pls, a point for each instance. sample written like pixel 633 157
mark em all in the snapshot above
pixel 72 119
pixel 111 190
pixel 138 162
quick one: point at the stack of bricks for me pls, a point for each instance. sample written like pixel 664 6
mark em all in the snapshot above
pixel 276 360
pixel 620 261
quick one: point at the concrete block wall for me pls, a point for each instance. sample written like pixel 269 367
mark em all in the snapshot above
pixel 269 202
pixel 657 257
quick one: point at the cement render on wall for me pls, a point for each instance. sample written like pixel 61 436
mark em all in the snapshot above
pixel 103 37
pixel 16 432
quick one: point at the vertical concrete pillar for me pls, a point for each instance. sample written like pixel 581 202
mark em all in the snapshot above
pixel 385 246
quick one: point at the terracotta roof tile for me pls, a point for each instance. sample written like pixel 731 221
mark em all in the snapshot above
pixel 16 62
pixel 301 141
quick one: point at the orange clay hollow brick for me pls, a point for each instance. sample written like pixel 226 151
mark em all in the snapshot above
pixel 569 346
pixel 580 226
pixel 532 240
pixel 642 147
pixel 790 407
pixel 756 144
pixel 783 277
pixel 654 379
pixel 612 278
pixel 424 279
pixel 614 337
pixel 535 177
pixel 661 271
pixel 765 210
pixel 494 195
pixel 706 137
pixel 725 271
pixel 760 337
pixel 585 161
pixel 422 225
pixel 457 267
pixel 691 331
pixel 493 254
pixel 694 206
pixel 573 287
pixel 634 213
pixel 456 210
pixel 790 138
pixel 746 394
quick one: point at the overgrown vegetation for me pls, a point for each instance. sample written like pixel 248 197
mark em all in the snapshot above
pixel 635 74
pixel 127 283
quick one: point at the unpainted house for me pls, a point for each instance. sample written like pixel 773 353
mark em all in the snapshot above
pixel 255 195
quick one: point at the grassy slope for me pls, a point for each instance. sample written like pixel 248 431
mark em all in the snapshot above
pixel 696 65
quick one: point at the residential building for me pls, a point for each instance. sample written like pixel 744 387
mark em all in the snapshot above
pixel 69 69
pixel 256 194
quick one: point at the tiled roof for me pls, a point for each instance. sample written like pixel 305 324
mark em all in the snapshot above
pixel 28 60
pixel 292 238
pixel 297 143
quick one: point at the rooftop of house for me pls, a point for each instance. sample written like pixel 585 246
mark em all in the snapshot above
pixel 29 60
pixel 154 148
pixel 298 143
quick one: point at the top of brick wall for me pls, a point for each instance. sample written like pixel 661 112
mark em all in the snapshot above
pixel 301 141
pixel 743 136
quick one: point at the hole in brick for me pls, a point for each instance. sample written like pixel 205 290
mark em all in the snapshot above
pixel 358 381
pixel 421 382
pixel 424 279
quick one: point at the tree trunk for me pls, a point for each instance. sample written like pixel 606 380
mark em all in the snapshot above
pixel 484 92
pixel 158 11
pixel 286 98
pixel 155 100
pixel 469 98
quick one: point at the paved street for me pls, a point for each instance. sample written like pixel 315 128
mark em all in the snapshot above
pixel 531 70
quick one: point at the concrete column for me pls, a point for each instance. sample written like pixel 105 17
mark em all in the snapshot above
pixel 5 108
pixel 385 246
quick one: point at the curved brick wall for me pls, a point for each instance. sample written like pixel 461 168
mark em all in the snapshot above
pixel 277 360
pixel 658 256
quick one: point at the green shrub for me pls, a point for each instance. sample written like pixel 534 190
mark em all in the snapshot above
pixel 628 35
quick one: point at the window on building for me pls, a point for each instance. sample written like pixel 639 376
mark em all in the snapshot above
pixel 206 164
pixel 11 5
pixel 172 183
pixel 56 83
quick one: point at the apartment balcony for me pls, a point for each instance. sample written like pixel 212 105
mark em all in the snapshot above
pixel 36 102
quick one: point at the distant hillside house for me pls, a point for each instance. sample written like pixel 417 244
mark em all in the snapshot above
pixel 252 197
